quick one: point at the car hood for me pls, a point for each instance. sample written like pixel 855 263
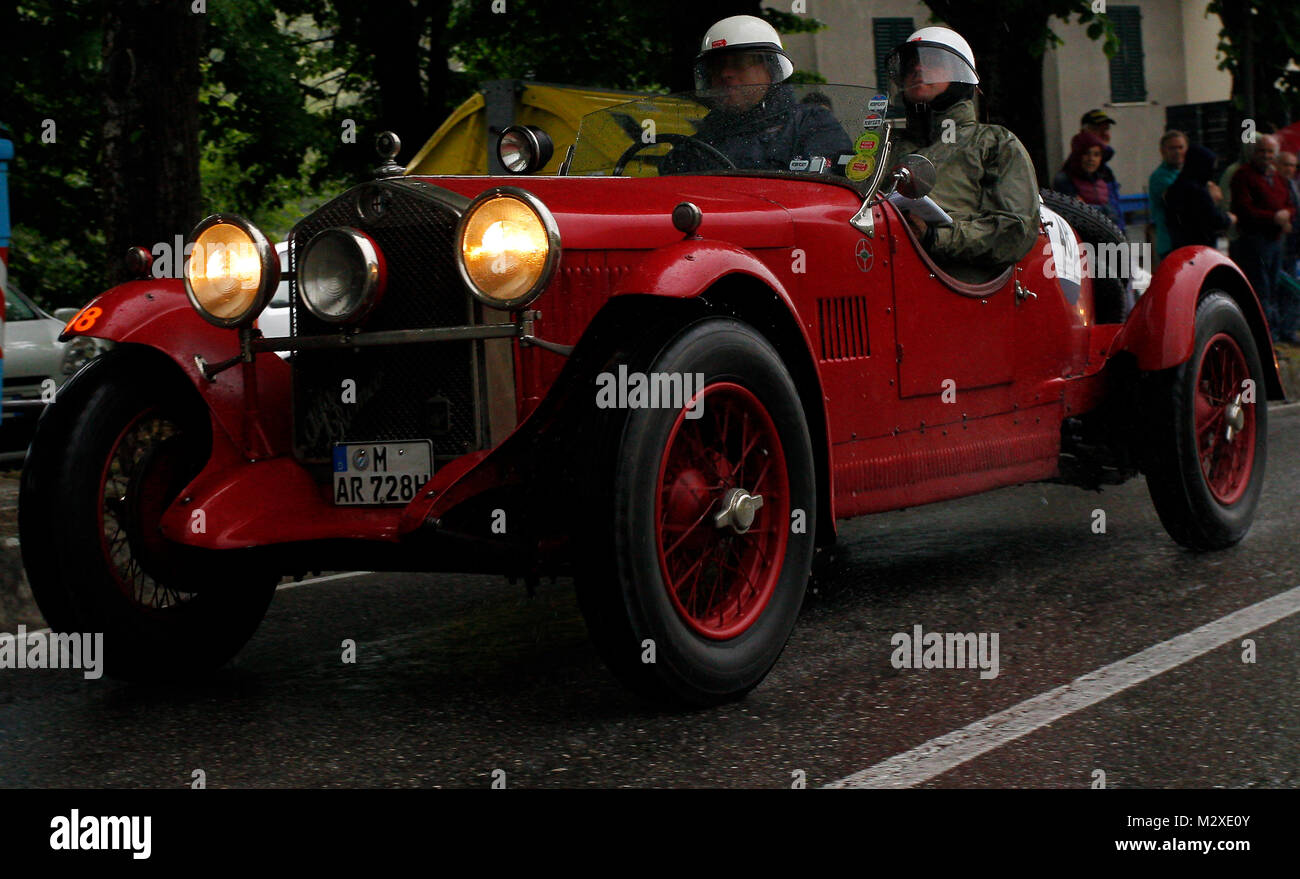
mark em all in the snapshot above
pixel 630 213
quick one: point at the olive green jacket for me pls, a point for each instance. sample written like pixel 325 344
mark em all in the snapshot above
pixel 987 185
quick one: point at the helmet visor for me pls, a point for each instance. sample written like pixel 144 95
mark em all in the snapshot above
pixel 918 72
pixel 742 67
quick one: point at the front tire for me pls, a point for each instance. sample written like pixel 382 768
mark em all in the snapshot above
pixel 1208 432
pixel 685 607
pixel 110 455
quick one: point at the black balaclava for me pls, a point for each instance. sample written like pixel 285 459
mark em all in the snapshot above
pixel 920 117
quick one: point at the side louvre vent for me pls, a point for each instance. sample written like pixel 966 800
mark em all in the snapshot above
pixel 844 327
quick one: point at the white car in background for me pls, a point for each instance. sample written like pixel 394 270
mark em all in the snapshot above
pixel 36 364
pixel 274 322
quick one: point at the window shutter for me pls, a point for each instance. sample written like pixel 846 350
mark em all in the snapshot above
pixel 888 33
pixel 1127 74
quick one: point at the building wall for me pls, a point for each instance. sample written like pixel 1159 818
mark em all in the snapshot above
pixel 1180 66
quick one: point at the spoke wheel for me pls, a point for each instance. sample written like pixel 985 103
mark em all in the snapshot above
pixel 137 485
pixel 1205 443
pixel 1225 423
pixel 700 522
pixel 720 575
pixel 121 441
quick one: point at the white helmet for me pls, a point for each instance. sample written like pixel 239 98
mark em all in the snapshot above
pixel 741 34
pixel 939 53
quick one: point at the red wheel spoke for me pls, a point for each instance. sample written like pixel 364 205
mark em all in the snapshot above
pixel 721 579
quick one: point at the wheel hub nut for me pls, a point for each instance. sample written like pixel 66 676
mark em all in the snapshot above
pixel 1235 415
pixel 738 510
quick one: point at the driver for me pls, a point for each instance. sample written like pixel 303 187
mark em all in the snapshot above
pixel 985 178
pixel 754 120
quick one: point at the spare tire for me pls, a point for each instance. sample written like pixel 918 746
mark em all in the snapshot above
pixel 1112 297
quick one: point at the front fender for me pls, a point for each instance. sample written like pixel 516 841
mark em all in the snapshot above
pixel 1161 331
pixel 158 314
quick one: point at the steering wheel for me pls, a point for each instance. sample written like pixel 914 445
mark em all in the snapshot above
pixel 683 139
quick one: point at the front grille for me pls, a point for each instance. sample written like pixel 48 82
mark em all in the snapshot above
pixel 405 391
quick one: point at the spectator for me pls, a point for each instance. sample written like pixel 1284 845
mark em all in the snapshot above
pixel 1082 176
pixel 1262 201
pixel 1173 149
pixel 1192 215
pixel 1098 123
pixel 1286 168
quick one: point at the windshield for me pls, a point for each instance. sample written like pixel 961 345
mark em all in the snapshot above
pixel 16 305
pixel 794 128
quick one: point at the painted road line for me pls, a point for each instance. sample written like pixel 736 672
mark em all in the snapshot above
pixel 946 752
pixel 309 580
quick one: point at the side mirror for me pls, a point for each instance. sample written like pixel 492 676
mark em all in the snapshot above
pixel 913 176
pixel 65 314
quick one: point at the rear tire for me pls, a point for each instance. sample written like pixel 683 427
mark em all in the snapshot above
pixel 110 455
pixel 1207 437
pixel 681 609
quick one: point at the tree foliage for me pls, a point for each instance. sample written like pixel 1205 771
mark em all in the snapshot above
pixel 283 84
pixel 1260 41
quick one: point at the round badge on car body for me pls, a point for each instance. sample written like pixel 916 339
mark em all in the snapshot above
pixel 373 202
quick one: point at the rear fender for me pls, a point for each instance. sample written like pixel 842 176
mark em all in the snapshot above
pixel 158 314
pixel 1161 331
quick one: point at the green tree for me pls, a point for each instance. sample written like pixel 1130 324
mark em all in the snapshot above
pixel 46 46
pixel 1260 41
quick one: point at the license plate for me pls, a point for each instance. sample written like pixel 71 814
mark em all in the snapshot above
pixel 380 473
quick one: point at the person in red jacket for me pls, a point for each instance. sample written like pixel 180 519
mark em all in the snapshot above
pixel 1262 201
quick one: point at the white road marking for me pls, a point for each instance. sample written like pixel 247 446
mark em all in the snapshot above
pixel 284 586
pixel 946 752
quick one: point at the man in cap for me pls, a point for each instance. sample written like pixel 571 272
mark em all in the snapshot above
pixel 754 120
pixel 986 180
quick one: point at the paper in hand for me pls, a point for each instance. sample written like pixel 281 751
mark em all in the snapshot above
pixel 926 208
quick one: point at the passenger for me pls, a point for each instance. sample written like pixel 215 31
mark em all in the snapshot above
pixel 756 120
pixel 985 180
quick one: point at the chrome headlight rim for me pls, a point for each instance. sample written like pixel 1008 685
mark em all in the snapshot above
pixel 375 276
pixel 266 256
pixel 549 225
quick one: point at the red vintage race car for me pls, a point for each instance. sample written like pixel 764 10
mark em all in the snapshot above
pixel 670 386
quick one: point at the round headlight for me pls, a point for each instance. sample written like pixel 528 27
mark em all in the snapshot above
pixel 341 275
pixel 232 271
pixel 509 246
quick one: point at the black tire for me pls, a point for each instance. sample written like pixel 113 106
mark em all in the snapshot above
pixel 621 581
pixel 1208 509
pixel 1112 297
pixel 117 446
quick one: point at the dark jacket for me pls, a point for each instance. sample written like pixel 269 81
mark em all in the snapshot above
pixel 1256 198
pixel 1191 213
pixel 764 137
pixel 1099 188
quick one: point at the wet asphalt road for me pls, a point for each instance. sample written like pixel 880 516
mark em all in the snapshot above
pixel 459 676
